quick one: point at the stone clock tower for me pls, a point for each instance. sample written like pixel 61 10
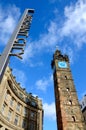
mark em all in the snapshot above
pixel 68 112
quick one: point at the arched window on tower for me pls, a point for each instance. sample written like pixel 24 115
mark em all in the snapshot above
pixel 70 102
pixel 73 118
pixel 67 89
pixel 65 77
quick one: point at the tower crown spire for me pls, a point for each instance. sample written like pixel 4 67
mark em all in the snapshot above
pixel 59 56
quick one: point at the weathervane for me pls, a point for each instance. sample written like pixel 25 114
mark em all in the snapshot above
pixel 17 40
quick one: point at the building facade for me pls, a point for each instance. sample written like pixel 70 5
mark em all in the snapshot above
pixel 68 112
pixel 19 110
pixel 83 107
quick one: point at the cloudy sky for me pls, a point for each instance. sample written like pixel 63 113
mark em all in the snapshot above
pixel 56 24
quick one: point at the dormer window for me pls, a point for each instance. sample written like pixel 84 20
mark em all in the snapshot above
pixel 33 103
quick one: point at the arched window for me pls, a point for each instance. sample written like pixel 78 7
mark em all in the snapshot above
pixel 65 77
pixel 67 89
pixel 70 102
pixel 73 118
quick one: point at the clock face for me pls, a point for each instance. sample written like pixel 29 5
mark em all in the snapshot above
pixel 62 64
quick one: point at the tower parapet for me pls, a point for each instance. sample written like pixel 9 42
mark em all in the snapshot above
pixel 58 55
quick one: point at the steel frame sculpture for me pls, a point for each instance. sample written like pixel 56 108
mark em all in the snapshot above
pixel 17 41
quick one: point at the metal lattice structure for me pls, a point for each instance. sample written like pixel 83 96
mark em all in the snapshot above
pixel 17 40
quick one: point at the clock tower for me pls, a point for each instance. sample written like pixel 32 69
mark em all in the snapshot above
pixel 68 112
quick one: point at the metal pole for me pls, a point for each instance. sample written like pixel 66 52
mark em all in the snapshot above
pixel 17 40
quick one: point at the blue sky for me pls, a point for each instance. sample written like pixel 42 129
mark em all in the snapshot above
pixel 56 24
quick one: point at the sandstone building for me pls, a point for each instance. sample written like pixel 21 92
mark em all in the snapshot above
pixel 68 112
pixel 19 110
pixel 83 107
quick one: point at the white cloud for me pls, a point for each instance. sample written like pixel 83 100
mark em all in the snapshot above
pixel 42 84
pixel 49 110
pixel 47 41
pixel 8 19
pixel 20 76
pixel 72 28
pixel 75 23
pixel 28 52
pixel 68 50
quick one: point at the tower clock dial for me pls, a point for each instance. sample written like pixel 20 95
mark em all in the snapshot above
pixel 62 64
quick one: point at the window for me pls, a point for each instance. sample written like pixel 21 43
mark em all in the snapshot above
pixel 81 106
pixel 65 77
pixel 32 125
pixel 3 108
pixel 6 95
pixel 33 103
pixel 83 103
pixel 9 115
pixel 21 95
pixel 11 102
pixel 24 123
pixel 33 114
pixel 27 100
pixel 25 111
pixel 67 89
pixel 73 118
pixel 16 120
pixel 18 107
pixel 70 102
